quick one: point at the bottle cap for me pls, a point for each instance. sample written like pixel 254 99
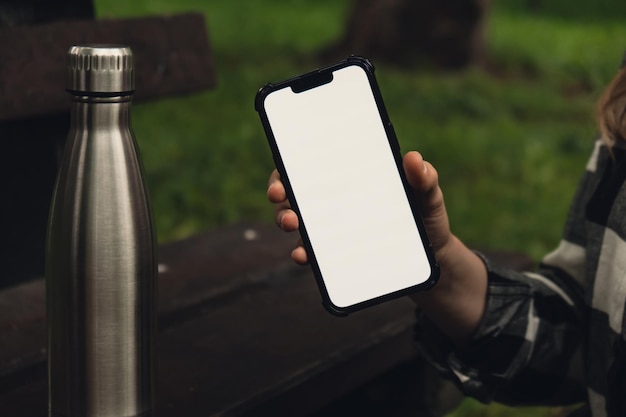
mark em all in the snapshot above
pixel 100 70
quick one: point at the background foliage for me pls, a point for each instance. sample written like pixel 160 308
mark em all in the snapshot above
pixel 509 143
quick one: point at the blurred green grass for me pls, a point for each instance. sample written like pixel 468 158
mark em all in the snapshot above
pixel 509 145
pixel 206 158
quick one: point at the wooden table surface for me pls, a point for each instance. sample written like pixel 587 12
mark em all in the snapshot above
pixel 241 332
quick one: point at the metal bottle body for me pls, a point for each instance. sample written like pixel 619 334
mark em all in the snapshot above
pixel 101 270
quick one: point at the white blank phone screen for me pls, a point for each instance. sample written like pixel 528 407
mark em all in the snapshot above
pixel 344 178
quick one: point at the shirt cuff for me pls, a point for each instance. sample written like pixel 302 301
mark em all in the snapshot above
pixel 498 348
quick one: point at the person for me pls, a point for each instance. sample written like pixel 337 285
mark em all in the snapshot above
pixel 554 336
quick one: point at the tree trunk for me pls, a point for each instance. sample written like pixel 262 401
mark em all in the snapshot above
pixel 442 33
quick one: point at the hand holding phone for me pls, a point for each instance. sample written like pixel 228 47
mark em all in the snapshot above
pixel 340 163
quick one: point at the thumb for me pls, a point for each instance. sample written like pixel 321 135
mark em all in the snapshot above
pixel 423 178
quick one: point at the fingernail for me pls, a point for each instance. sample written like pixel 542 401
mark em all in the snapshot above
pixel 424 167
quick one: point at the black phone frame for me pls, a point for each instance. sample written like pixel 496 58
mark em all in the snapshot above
pixel 314 79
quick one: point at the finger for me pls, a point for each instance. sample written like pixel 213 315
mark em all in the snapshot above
pixel 299 255
pixel 274 176
pixel 276 190
pixel 286 218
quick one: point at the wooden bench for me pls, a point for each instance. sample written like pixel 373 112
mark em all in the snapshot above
pixel 172 57
pixel 242 332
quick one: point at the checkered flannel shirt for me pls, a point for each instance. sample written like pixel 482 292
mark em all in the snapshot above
pixel 557 335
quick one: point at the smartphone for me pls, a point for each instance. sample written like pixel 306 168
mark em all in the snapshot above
pixel 339 159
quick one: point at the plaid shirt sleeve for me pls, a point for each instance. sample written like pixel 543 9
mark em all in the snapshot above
pixel 528 348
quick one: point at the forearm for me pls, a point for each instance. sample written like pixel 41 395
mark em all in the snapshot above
pixel 457 302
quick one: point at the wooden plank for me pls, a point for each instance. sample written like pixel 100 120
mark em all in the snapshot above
pixel 253 330
pixel 254 355
pixel 196 273
pixel 249 357
pixel 36 12
pixel 242 332
pixel 172 57
pixel 219 264
pixel 23 330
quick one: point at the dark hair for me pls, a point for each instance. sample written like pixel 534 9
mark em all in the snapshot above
pixel 611 110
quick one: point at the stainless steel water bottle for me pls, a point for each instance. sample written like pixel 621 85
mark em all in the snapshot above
pixel 100 254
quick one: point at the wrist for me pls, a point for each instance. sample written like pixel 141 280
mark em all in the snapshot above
pixel 456 303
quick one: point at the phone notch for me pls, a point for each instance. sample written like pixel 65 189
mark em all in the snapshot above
pixel 311 80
